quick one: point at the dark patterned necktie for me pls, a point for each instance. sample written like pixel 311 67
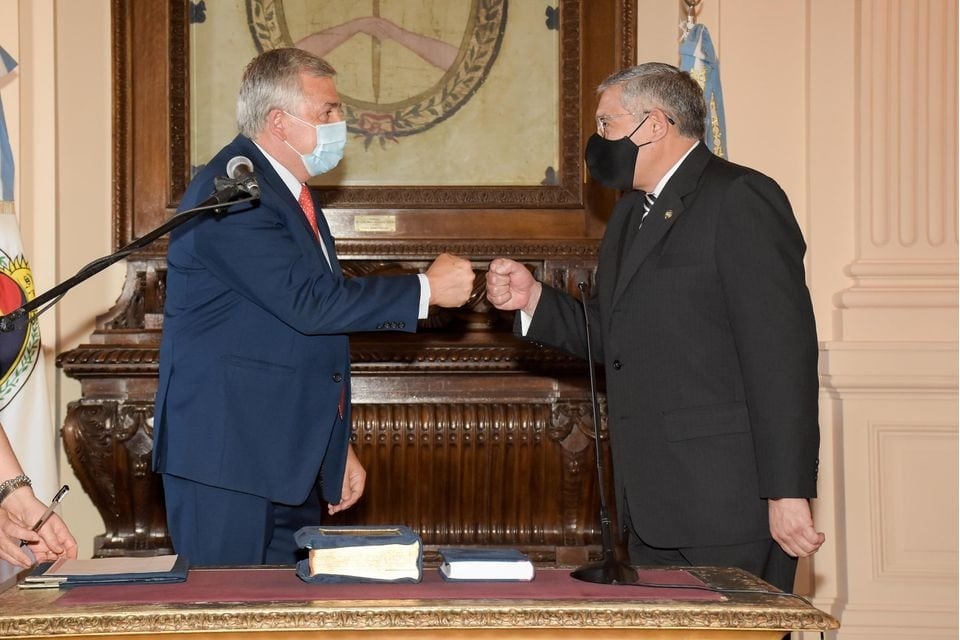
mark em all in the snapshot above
pixel 648 200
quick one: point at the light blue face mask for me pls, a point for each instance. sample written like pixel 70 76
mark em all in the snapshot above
pixel 331 139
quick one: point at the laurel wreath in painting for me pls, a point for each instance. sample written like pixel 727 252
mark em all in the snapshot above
pixel 388 121
pixel 21 348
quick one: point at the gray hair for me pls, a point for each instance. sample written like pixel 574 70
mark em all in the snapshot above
pixel 662 86
pixel 272 81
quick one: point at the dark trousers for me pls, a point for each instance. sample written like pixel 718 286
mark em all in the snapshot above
pixel 764 558
pixel 212 526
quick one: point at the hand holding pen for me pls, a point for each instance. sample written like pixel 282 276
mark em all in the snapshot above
pixel 49 512
pixel 31 532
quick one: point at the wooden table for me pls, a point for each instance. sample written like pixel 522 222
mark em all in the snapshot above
pixel 426 611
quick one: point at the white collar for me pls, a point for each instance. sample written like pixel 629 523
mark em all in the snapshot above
pixel 669 174
pixel 285 174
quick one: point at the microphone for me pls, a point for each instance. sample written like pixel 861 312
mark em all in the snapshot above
pixel 240 169
pixel 241 186
pixel 609 570
pixel 239 183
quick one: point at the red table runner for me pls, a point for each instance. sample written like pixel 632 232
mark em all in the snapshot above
pixel 282 584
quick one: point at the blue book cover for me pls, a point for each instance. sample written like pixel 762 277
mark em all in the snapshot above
pixel 387 553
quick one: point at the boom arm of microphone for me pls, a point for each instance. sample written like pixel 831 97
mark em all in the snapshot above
pixel 609 570
pixel 232 193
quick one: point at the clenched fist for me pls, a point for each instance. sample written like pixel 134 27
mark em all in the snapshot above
pixel 510 286
pixel 451 280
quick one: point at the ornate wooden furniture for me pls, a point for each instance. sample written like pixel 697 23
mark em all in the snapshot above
pixel 468 434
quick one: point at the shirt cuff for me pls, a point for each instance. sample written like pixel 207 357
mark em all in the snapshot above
pixel 424 308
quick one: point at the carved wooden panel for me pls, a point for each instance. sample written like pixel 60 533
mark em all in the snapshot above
pixel 109 445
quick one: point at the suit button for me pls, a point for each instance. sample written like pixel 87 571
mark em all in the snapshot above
pixel 337 377
pixel 617 365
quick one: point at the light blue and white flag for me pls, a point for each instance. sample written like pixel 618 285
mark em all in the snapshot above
pixel 24 402
pixel 7 64
pixel 698 58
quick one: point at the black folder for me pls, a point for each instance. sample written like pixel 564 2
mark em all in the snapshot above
pixel 99 571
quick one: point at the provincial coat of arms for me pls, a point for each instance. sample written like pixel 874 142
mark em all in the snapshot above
pixel 20 348
pixel 464 65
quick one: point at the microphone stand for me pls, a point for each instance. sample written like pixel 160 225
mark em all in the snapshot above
pixel 226 193
pixel 609 570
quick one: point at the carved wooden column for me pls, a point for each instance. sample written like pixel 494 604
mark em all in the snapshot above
pixel 108 432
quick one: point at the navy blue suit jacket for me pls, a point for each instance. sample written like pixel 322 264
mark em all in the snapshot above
pixel 254 350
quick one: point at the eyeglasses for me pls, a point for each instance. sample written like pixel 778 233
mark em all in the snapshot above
pixel 604 120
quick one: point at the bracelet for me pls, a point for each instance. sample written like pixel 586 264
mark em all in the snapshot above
pixel 9 486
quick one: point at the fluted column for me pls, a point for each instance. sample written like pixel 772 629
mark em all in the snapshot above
pixel 905 270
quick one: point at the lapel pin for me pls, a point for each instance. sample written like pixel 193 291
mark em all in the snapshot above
pixel 668 214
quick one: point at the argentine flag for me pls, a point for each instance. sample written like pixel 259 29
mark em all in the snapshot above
pixel 698 58
pixel 25 413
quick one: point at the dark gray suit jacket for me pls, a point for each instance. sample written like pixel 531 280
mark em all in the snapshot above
pixel 704 325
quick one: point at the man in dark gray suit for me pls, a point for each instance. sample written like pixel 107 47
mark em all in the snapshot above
pixel 704 325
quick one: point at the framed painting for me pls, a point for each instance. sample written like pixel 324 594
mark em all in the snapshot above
pixel 452 105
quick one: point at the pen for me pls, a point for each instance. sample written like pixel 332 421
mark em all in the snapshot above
pixel 49 512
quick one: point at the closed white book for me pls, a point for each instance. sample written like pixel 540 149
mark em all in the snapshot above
pixel 485 564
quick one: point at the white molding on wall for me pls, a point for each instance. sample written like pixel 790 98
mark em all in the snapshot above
pixel 910 540
pixel 889 485
pixel 885 370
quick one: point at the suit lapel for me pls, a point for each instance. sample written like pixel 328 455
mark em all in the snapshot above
pixel 327 238
pixel 665 212
pixel 291 206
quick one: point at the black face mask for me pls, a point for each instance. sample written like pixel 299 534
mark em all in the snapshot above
pixel 612 162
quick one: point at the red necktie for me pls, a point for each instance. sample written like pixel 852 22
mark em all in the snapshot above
pixel 306 203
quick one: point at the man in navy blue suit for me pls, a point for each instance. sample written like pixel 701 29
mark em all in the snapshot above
pixel 252 418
